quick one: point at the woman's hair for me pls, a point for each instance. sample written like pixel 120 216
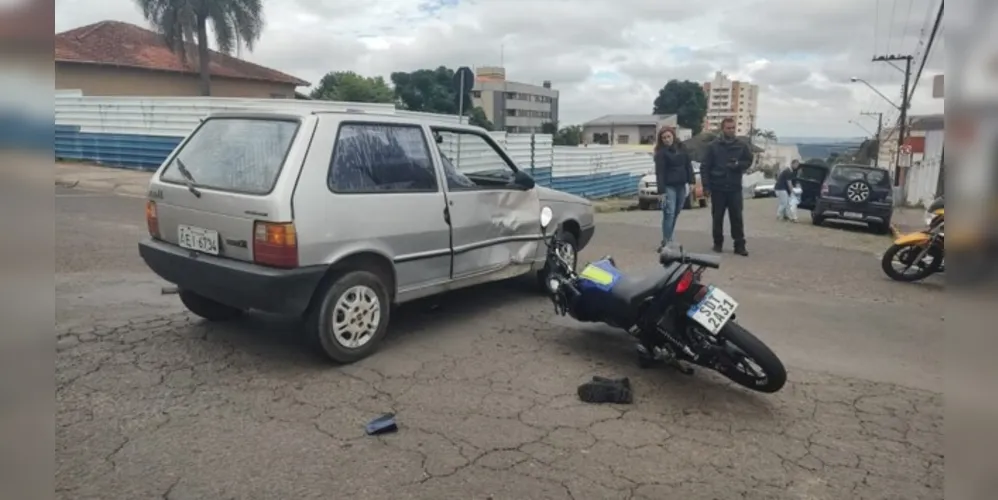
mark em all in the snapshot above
pixel 658 138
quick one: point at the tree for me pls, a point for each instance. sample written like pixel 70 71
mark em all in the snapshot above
pixel 549 128
pixel 476 117
pixel 568 136
pixel 351 87
pixel 686 100
pixel 427 91
pixel 184 24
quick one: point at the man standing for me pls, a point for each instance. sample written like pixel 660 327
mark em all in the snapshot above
pixel 784 188
pixel 727 159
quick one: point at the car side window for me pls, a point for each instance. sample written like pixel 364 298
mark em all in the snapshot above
pixel 375 158
pixel 471 162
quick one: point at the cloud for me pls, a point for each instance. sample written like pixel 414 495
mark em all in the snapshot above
pixel 608 57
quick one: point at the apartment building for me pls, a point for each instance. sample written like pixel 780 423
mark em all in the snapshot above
pixel 518 108
pixel 728 98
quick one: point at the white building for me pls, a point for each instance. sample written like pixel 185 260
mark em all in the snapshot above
pixel 517 108
pixel 728 98
pixel 626 130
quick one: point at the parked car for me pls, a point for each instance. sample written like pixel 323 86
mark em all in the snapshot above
pixel 764 190
pixel 335 216
pixel 648 196
pixel 858 193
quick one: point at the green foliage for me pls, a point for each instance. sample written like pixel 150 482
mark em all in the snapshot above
pixel 767 135
pixel 476 117
pixel 568 136
pixel 351 87
pixel 549 128
pixel 686 100
pixel 428 91
pixel 184 23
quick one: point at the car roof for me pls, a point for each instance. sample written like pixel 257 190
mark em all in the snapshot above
pixel 856 165
pixel 301 112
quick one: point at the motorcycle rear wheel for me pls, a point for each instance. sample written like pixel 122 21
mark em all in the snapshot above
pixel 921 272
pixel 774 374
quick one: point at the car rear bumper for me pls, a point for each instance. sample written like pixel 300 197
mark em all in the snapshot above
pixel 764 192
pixel 866 213
pixel 238 284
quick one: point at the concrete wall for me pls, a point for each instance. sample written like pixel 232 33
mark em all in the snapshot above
pixel 96 80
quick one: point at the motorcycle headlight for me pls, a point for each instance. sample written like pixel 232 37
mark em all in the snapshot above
pixel 553 285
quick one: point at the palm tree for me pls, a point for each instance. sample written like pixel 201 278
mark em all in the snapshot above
pixel 184 24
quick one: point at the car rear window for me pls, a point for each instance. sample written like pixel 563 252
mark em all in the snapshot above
pixel 243 155
pixel 811 173
pixel 843 174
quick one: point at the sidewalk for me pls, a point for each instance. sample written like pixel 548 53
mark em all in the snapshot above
pixel 90 177
pixel 127 182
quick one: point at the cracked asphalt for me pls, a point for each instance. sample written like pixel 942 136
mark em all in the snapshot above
pixel 153 403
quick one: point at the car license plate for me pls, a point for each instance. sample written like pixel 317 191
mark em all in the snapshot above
pixel 714 311
pixel 198 239
pixel 852 215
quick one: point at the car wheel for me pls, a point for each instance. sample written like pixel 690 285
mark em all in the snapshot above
pixel 816 219
pixel 703 203
pixel 207 308
pixel 351 317
pixel 881 228
pixel 568 249
pixel 642 205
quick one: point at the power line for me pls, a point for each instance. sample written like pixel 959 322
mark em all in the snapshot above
pixel 928 47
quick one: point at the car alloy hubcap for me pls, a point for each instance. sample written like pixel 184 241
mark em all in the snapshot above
pixel 858 192
pixel 356 317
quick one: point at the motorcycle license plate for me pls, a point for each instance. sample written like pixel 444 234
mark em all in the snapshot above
pixel 714 311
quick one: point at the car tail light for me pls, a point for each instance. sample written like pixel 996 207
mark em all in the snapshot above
pixel 685 282
pixel 275 244
pixel 152 219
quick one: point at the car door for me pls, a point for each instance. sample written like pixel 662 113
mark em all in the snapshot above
pixel 810 176
pixel 495 223
pixel 380 193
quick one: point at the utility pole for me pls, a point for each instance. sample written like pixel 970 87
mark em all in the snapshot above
pixel 880 133
pixel 903 121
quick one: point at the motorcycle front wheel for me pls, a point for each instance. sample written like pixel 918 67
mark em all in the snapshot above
pixel 906 255
pixel 752 363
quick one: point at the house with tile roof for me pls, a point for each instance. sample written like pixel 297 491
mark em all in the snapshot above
pixel 629 130
pixel 112 58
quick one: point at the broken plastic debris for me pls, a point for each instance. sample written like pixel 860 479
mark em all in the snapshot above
pixel 382 425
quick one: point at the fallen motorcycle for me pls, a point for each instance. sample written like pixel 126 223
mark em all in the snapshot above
pixel 677 319
pixel 919 254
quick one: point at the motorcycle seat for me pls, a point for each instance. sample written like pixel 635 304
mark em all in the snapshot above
pixel 670 255
pixel 631 290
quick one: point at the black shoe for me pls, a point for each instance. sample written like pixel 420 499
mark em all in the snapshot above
pixel 605 392
pixel 718 248
pixel 740 250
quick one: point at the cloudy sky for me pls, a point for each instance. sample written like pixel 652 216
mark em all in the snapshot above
pixel 611 56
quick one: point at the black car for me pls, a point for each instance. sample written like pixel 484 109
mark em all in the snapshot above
pixel 858 193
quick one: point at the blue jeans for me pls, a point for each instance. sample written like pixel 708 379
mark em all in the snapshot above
pixel 673 199
pixel 783 208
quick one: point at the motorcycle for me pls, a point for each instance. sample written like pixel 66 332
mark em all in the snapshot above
pixel 677 318
pixel 922 251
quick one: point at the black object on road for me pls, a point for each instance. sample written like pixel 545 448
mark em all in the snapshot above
pixel 606 390
pixel 382 425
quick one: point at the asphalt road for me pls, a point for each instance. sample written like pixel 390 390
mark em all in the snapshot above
pixel 152 402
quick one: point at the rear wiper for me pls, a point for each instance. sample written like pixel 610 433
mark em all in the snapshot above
pixel 188 179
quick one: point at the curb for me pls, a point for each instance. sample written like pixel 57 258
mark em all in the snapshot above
pixel 103 187
pixel 601 208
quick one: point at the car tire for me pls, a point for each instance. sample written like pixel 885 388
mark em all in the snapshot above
pixel 816 219
pixel 642 205
pixel 567 238
pixel 703 203
pixel 881 228
pixel 206 308
pixel 357 300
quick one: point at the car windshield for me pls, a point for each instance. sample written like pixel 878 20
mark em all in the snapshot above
pixel 843 174
pixel 234 154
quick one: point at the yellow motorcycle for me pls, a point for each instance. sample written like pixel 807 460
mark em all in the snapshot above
pixel 918 255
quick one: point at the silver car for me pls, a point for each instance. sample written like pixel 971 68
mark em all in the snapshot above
pixel 335 216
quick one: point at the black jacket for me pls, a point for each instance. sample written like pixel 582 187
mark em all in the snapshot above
pixel 673 166
pixel 724 164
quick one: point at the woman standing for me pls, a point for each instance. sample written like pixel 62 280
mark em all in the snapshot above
pixel 673 172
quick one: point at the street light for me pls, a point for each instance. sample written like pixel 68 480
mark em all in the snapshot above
pixel 882 96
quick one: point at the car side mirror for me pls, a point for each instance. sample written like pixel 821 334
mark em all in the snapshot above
pixel 523 180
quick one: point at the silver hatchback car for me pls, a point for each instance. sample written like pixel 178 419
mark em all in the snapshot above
pixel 335 216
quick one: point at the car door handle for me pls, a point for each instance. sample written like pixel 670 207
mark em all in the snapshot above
pixel 447 215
